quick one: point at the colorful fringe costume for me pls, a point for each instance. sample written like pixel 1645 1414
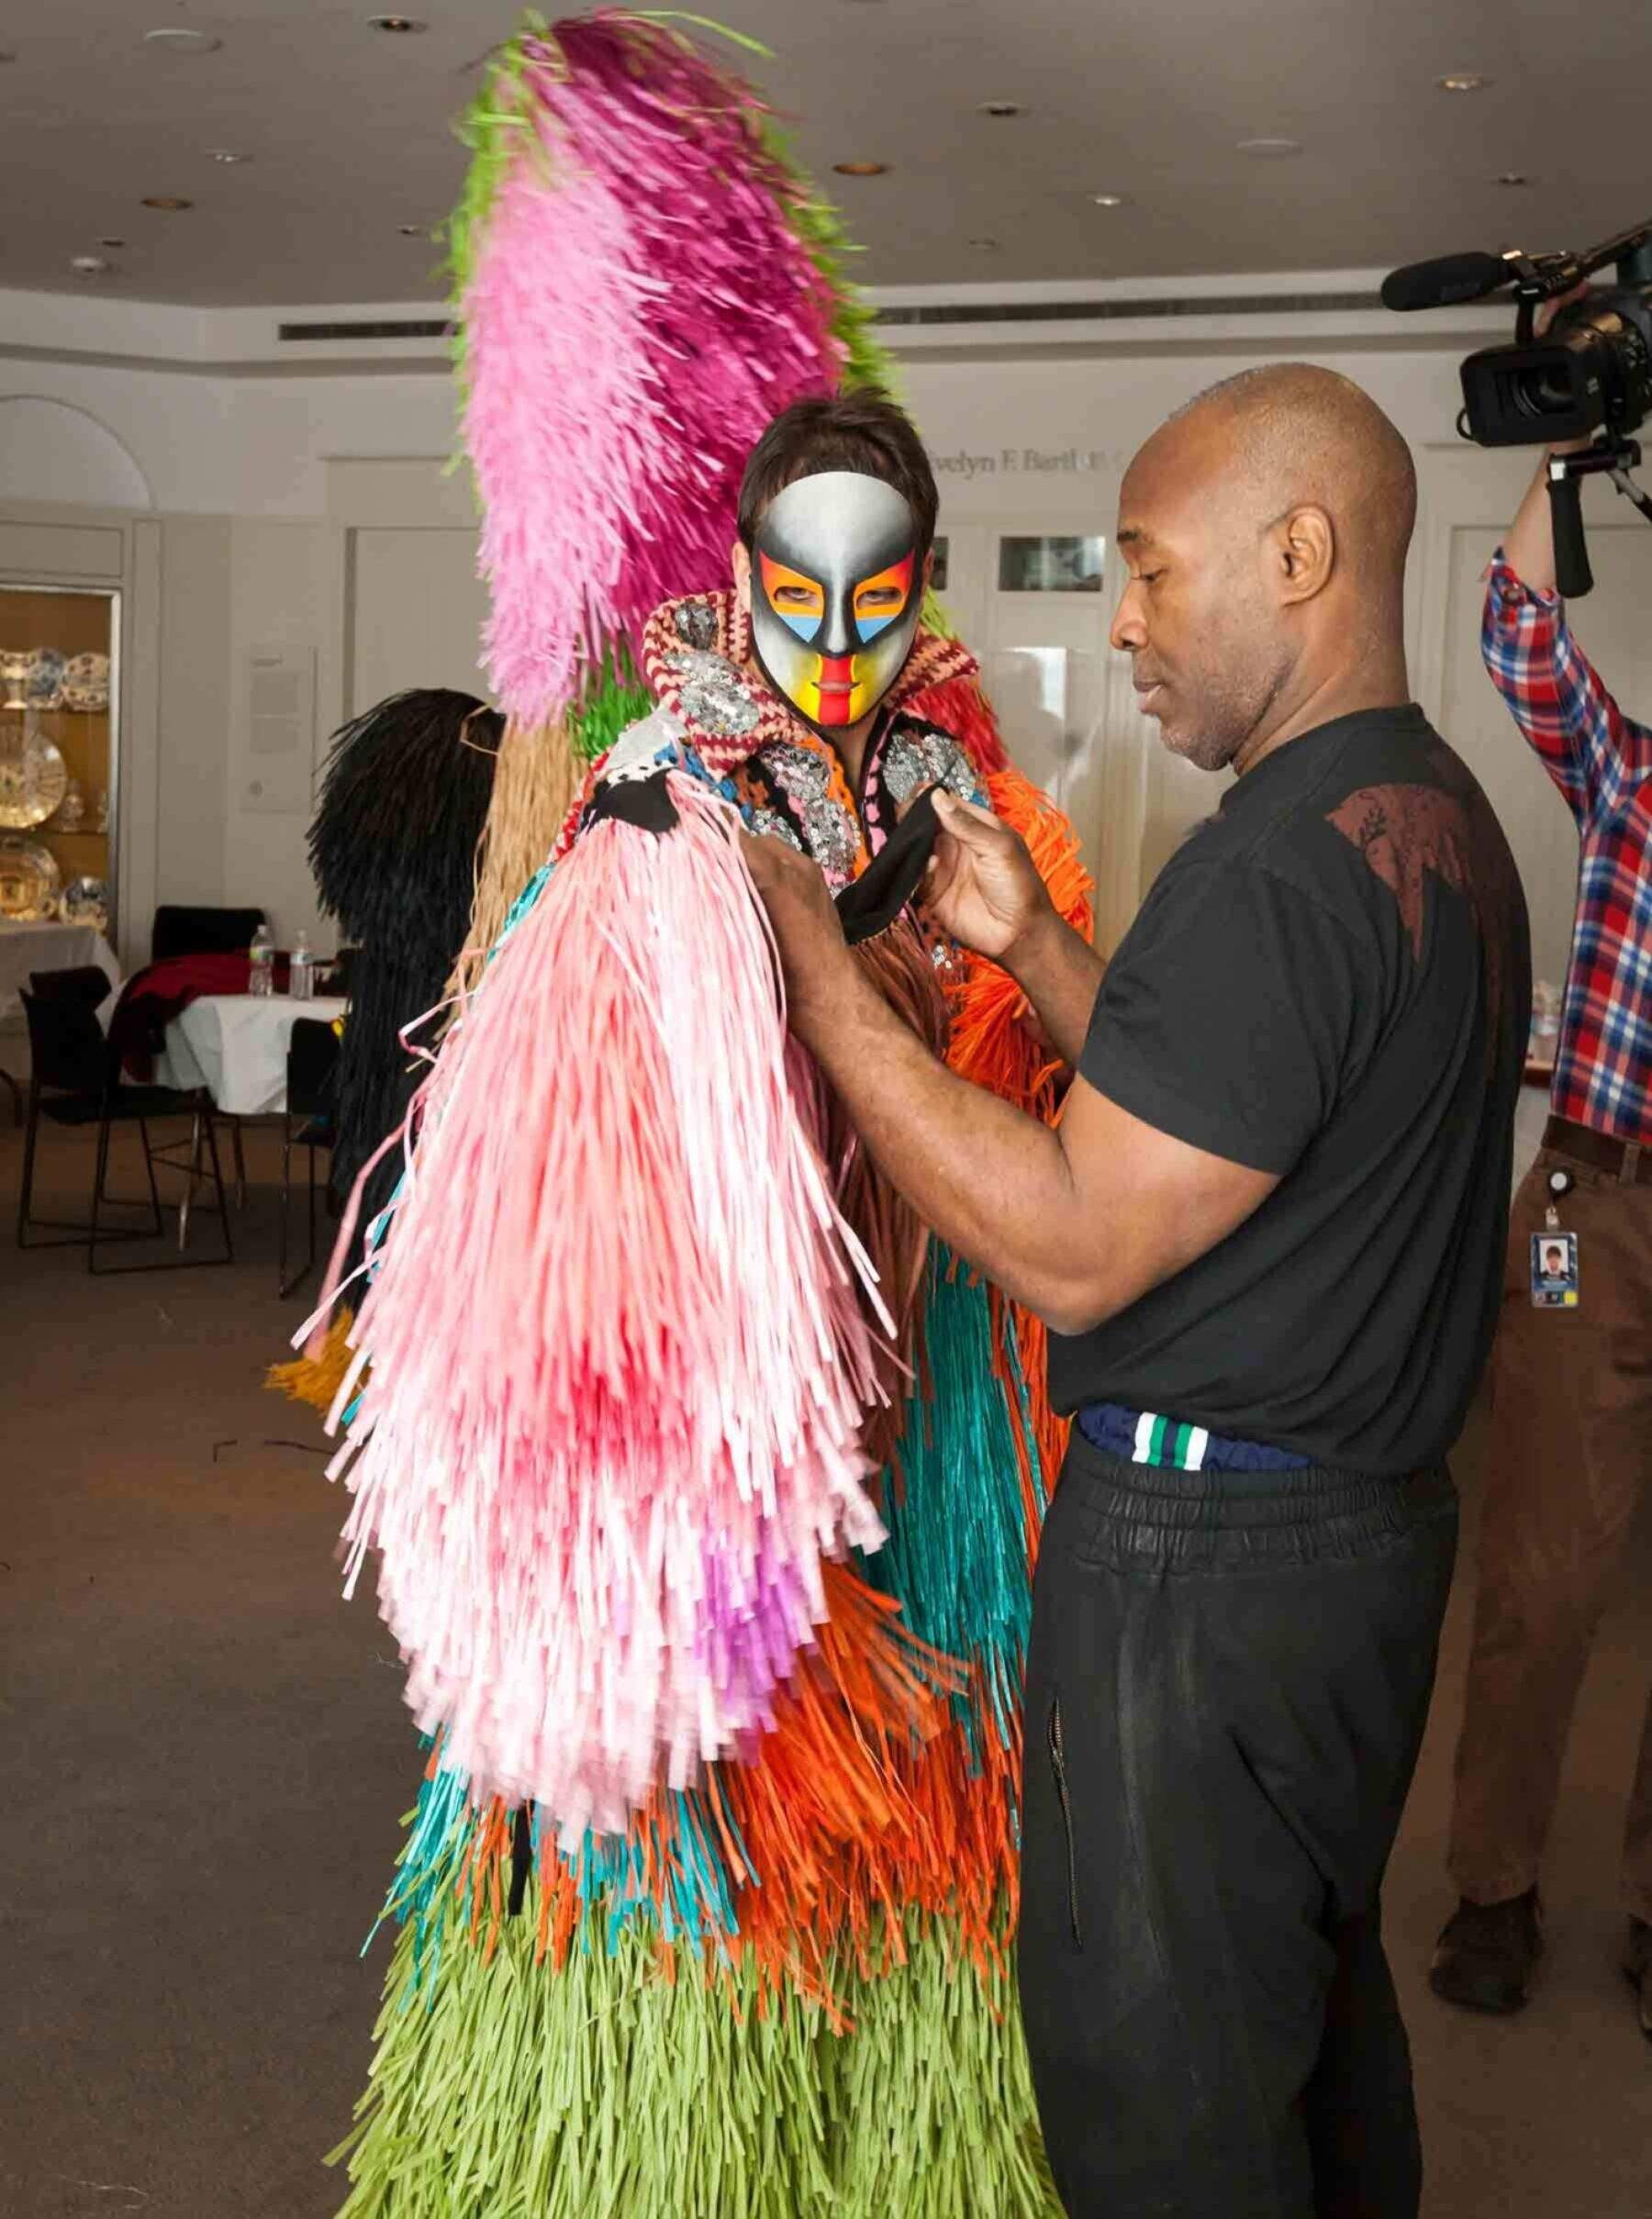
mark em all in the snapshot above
pixel 393 851
pixel 705 1491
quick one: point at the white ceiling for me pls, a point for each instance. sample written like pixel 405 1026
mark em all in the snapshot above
pixel 347 135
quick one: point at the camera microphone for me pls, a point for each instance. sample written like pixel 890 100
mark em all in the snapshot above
pixel 1444 283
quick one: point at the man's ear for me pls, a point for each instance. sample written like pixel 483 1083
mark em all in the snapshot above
pixel 740 562
pixel 1302 553
pixel 929 566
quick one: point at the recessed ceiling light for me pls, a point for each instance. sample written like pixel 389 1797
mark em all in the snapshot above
pixel 414 230
pixel 225 154
pixel 1269 150
pixel 89 265
pixel 168 202
pixel 861 169
pixel 985 246
pixel 1109 200
pixel 1001 109
pixel 1512 177
pixel 1463 81
pixel 173 39
pixel 401 25
pixel 111 243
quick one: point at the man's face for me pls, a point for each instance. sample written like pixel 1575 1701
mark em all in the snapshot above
pixel 1554 1261
pixel 837 587
pixel 1204 634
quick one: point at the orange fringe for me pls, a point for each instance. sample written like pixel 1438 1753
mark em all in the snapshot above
pixel 316 1380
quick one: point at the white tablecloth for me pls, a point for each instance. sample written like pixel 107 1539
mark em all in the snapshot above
pixel 236 1046
pixel 48 947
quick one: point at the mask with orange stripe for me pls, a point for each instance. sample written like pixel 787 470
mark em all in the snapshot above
pixel 837 588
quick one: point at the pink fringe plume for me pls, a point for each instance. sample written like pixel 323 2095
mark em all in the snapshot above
pixel 637 310
pixel 614 1366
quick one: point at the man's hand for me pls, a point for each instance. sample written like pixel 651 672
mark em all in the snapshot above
pixel 981 886
pixel 1529 544
pixel 804 920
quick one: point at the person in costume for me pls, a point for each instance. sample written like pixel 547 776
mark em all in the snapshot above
pixel 840 1888
pixel 703 1484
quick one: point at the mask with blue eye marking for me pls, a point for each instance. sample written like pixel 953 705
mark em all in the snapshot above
pixel 837 589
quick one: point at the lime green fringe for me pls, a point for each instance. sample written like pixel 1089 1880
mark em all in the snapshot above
pixel 614 698
pixel 506 2091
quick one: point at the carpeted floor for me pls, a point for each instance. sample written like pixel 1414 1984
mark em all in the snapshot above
pixel 206 1758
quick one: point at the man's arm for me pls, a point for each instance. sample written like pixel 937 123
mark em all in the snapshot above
pixel 1570 720
pixel 1075 1224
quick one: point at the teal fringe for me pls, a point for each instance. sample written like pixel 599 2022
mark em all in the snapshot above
pixel 956 1556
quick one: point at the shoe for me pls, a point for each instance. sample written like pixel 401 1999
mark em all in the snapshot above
pixel 1637 1969
pixel 1486 1956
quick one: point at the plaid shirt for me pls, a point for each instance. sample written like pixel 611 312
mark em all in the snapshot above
pixel 1602 762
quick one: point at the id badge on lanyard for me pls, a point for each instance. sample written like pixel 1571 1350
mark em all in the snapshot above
pixel 1555 1252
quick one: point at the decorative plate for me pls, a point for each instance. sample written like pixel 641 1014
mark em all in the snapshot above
pixel 28 879
pixel 86 684
pixel 33 776
pixel 45 686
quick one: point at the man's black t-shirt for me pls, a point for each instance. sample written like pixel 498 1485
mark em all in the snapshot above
pixel 1329 980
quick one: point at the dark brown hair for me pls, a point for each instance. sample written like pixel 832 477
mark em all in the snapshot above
pixel 861 430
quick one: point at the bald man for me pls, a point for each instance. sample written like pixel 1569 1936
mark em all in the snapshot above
pixel 1268 1238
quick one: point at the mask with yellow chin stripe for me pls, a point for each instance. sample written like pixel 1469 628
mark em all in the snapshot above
pixel 837 590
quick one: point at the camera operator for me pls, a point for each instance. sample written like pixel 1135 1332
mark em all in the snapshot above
pixel 1571 1428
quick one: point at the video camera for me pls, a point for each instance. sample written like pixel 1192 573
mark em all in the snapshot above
pixel 1588 377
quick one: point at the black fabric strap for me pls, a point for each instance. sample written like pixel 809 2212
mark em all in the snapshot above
pixel 644 802
pixel 877 896
pixel 521 1861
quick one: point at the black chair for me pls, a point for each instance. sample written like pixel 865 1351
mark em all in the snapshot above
pixel 83 983
pixel 75 1081
pixel 182 928
pixel 86 983
pixel 335 978
pixel 186 931
pixel 312 1073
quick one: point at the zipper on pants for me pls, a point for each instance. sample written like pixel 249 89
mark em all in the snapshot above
pixel 1058 1766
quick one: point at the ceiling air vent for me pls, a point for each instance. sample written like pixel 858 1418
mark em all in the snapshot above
pixel 409 327
pixel 1122 311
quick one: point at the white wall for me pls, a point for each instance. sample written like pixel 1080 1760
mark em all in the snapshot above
pixel 312 515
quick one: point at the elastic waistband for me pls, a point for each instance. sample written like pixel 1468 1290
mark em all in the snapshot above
pixel 1144 1436
pixel 1118 1512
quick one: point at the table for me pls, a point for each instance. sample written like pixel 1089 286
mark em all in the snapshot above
pixel 236 1046
pixel 46 946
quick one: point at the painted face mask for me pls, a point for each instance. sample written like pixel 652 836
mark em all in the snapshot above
pixel 837 588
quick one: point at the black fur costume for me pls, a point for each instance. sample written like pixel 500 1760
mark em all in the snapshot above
pixel 393 848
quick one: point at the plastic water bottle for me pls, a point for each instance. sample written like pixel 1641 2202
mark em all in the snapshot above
pixel 261 955
pixel 301 970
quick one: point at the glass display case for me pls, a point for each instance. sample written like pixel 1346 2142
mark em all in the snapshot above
pixel 59 755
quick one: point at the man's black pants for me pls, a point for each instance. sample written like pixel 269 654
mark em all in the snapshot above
pixel 1226 1689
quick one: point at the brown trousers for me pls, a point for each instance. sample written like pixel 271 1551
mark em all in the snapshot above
pixel 1570 1450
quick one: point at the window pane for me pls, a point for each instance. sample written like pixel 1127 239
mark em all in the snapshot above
pixel 1051 566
